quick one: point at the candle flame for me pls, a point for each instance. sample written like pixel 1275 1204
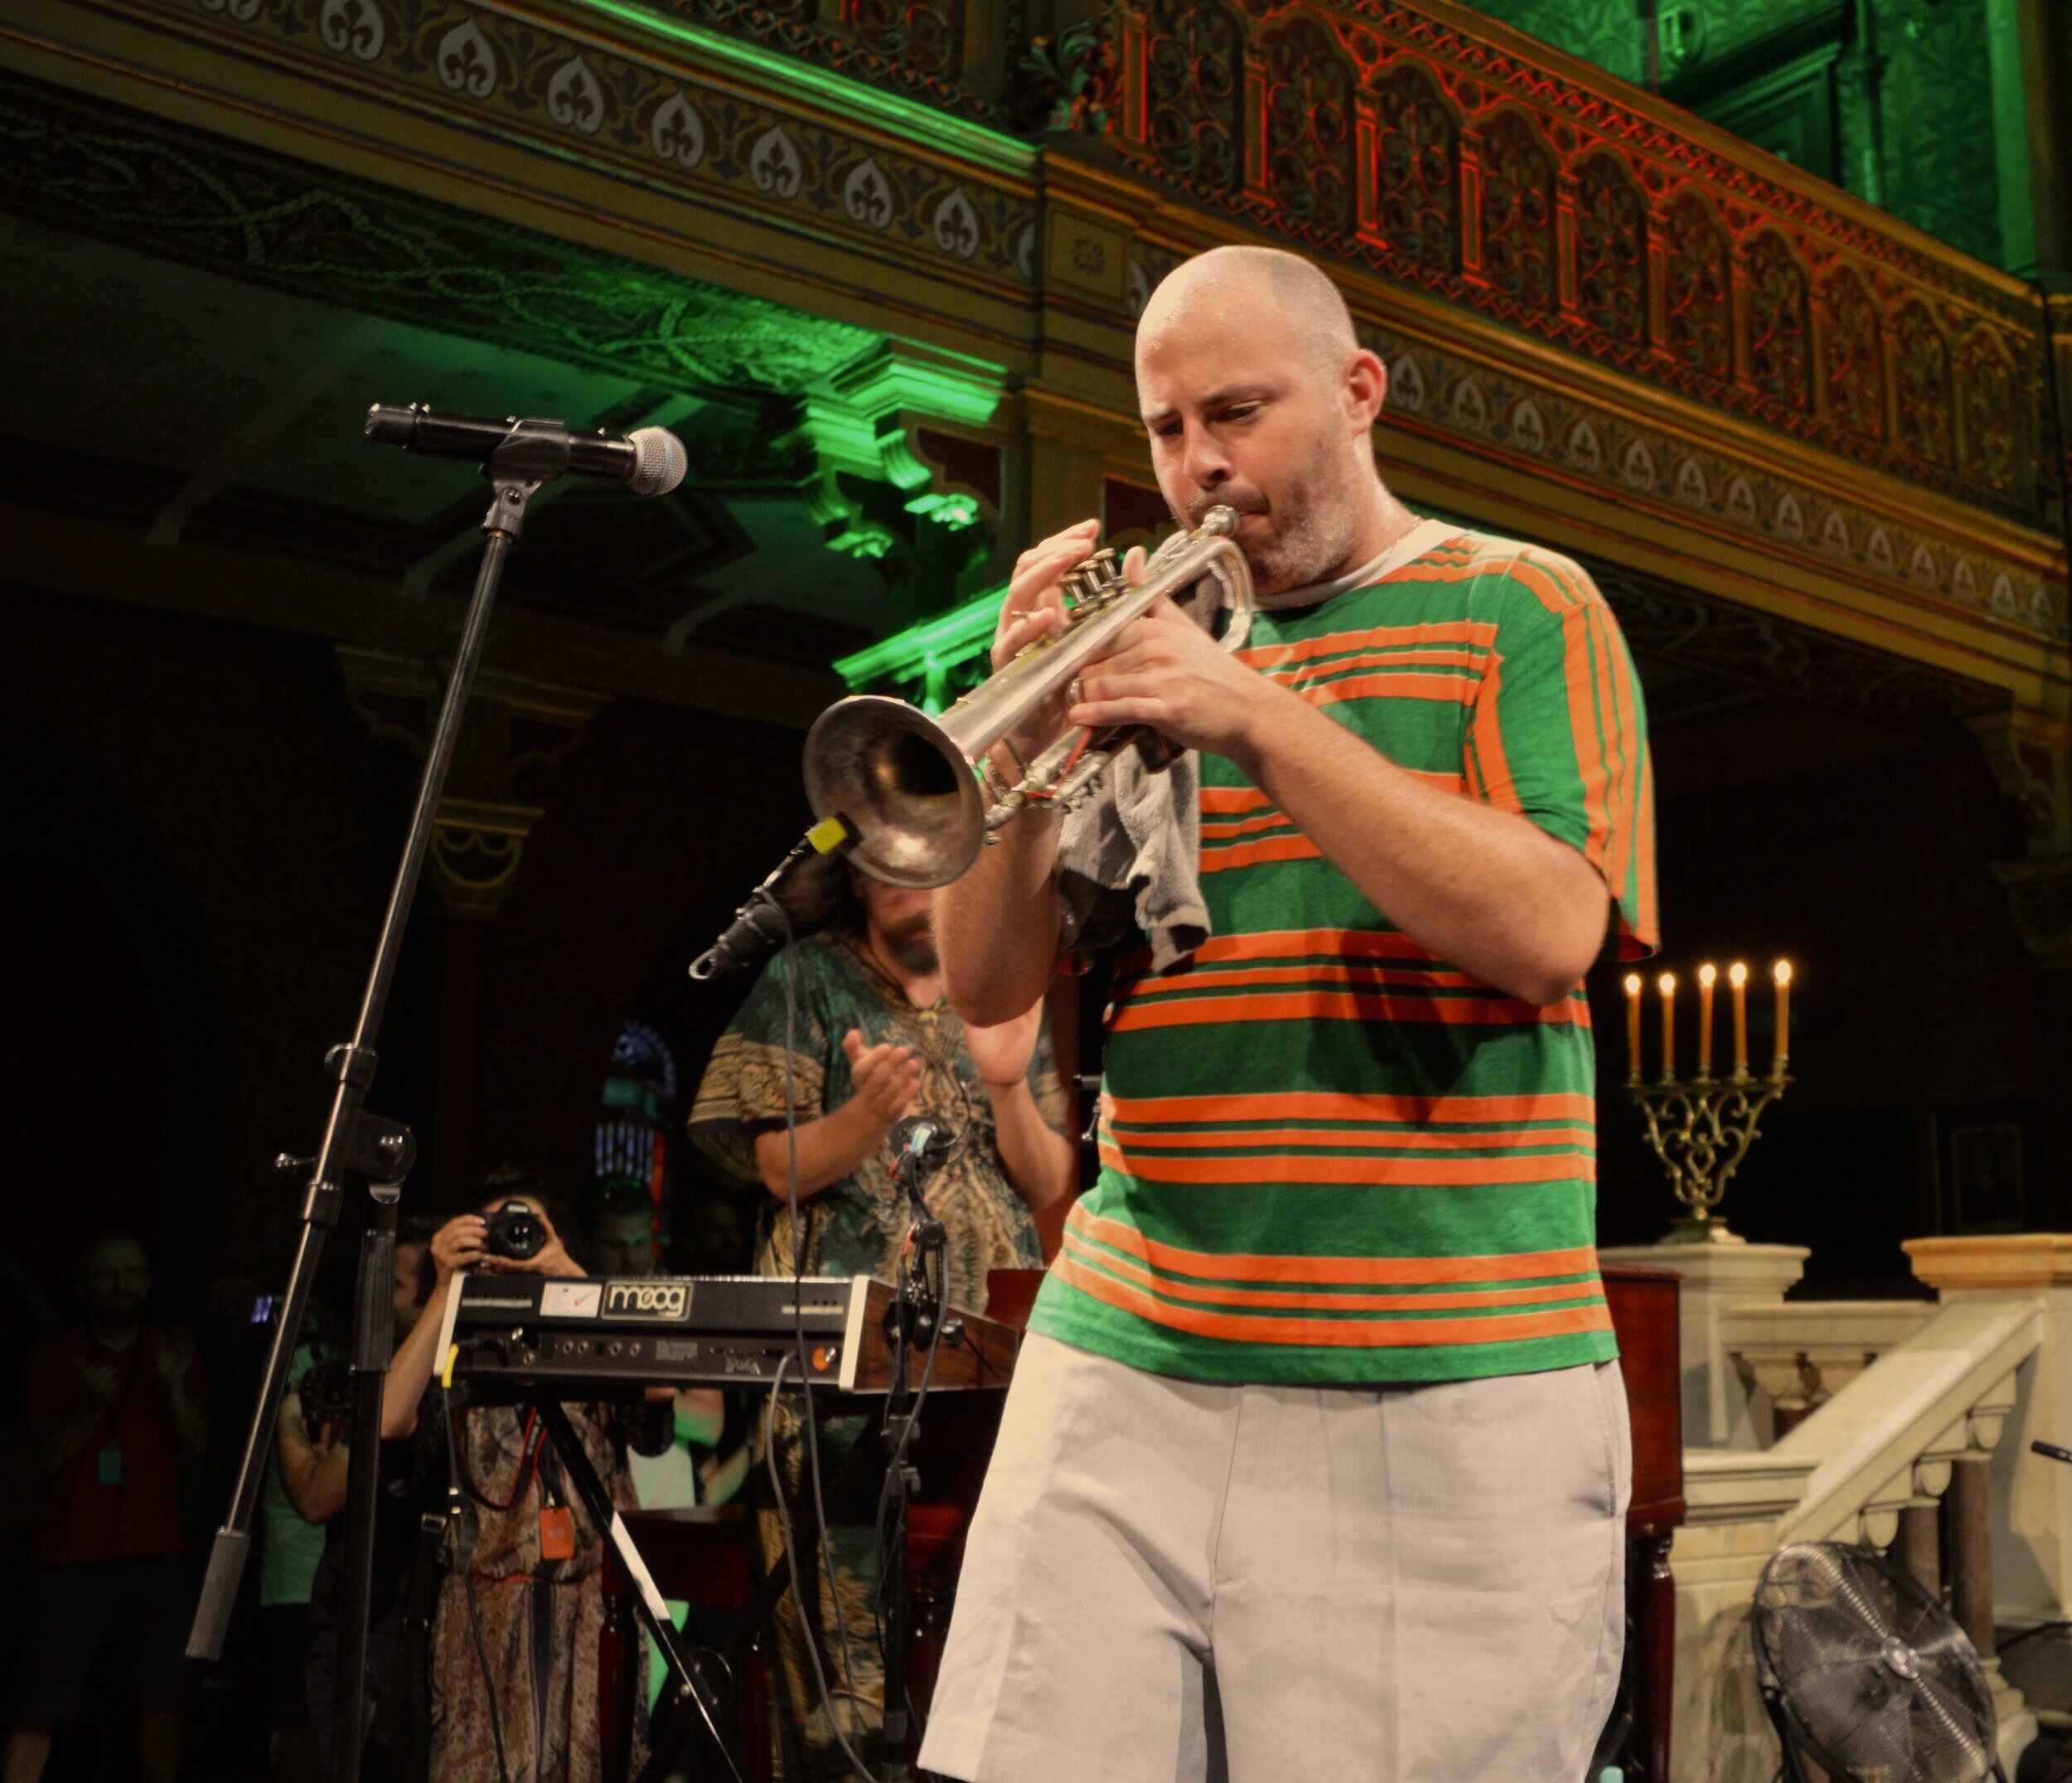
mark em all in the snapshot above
pixel 1668 982
pixel 1633 984
pixel 1706 974
pixel 1783 971
pixel 1738 973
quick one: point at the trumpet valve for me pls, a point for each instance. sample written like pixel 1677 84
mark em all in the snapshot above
pixel 1093 579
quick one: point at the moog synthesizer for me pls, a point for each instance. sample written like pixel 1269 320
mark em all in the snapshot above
pixel 595 1335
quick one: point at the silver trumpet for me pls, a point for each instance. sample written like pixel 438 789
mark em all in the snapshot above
pixel 923 793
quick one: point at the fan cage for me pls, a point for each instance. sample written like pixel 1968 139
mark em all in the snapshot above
pixel 1872 1677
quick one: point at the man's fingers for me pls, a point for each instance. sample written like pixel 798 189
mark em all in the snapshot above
pixel 1048 561
pixel 1039 571
pixel 874 1066
pixel 853 1044
pixel 1079 533
pixel 1098 714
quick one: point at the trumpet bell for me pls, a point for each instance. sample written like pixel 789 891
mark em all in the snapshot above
pixel 902 783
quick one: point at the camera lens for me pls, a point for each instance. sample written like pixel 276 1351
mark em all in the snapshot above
pixel 515 1232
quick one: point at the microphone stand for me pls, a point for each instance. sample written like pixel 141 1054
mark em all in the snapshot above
pixel 360 1148
pixel 913 1321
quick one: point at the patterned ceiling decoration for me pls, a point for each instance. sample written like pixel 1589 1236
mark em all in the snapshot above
pixel 1444 395
pixel 1433 157
pixel 1394 139
pixel 631 111
pixel 945 52
pixel 202 200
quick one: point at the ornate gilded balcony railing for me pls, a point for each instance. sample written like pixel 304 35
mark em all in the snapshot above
pixel 1441 151
pixel 979 59
pixel 1435 148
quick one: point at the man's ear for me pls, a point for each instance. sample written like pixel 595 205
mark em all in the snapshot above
pixel 1366 387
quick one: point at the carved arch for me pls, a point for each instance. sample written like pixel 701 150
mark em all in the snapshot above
pixel 1416 170
pixel 1988 427
pixel 1310 122
pixel 1780 322
pixel 1517 212
pixel 1920 383
pixel 1852 354
pixel 1195 79
pixel 1611 249
pixel 1697 291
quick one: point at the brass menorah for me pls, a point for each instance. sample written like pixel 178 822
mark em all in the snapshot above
pixel 1701 1128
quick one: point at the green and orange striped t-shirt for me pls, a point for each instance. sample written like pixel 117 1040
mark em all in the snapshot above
pixel 1327 1156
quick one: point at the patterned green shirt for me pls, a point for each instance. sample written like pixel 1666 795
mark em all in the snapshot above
pixel 1328 1155
pixel 856 1226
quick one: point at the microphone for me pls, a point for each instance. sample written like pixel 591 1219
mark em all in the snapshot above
pixel 650 461
pixel 919 1139
pixel 760 925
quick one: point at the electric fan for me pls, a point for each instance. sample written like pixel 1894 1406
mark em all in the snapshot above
pixel 1866 1674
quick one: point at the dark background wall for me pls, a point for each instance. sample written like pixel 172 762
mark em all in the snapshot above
pixel 200 839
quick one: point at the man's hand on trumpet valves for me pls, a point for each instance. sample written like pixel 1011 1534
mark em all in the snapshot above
pixel 1035 607
pixel 1166 672
pixel 1035 603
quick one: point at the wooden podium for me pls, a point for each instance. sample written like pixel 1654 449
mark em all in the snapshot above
pixel 1643 1313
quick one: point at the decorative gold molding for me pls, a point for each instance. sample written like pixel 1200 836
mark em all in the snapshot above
pixel 513 729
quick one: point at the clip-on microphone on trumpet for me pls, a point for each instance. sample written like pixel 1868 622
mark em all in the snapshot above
pixel 759 926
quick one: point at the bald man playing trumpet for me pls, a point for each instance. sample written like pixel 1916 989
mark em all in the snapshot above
pixel 1316 1462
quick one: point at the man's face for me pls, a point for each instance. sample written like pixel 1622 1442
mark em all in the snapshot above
pixel 898 921
pixel 625 1245
pixel 1242 417
pixel 409 1259
pixel 115 1281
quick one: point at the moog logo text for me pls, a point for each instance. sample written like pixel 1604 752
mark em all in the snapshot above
pixel 663 1301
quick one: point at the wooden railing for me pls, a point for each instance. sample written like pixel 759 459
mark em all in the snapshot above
pixel 1436 147
pixel 1445 152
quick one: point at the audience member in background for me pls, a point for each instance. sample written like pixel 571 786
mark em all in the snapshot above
pixel 515 1644
pixel 700 1467
pixel 312 1459
pixel 712 1236
pixel 624 1240
pixel 113 1406
pixel 289 1549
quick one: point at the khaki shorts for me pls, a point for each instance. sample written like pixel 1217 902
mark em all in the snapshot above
pixel 1172 1583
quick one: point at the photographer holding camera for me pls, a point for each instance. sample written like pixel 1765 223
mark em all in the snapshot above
pixel 514 1642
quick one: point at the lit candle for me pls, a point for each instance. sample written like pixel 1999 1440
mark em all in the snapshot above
pixel 1632 1024
pixel 1669 984
pixel 1737 977
pixel 1706 975
pixel 1782 974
